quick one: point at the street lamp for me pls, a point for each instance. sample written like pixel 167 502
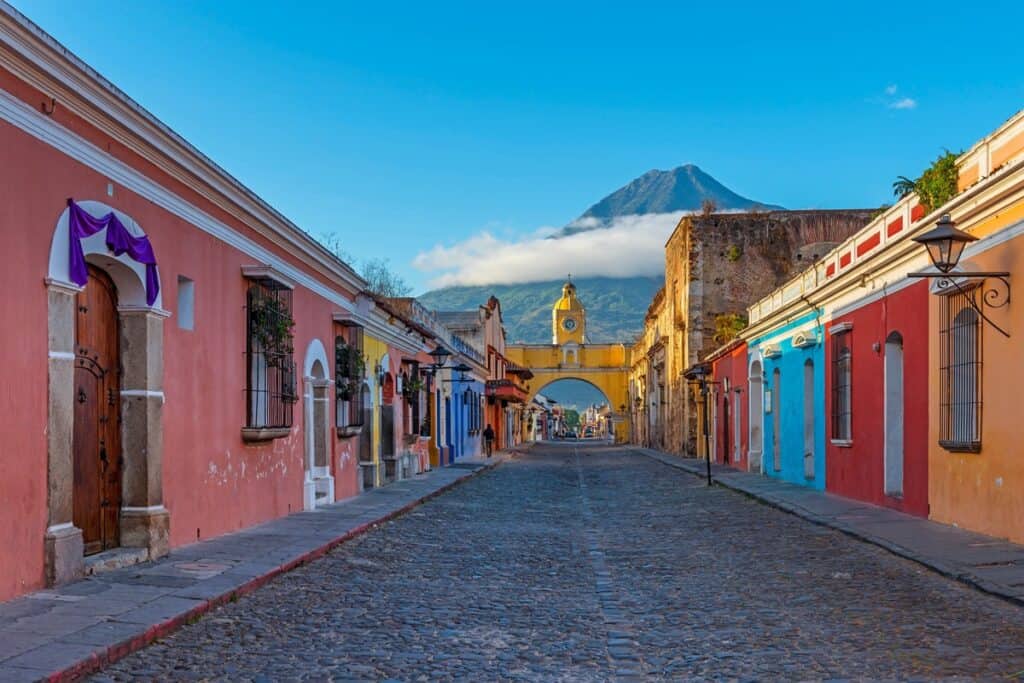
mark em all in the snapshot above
pixel 698 374
pixel 462 369
pixel 440 356
pixel 945 244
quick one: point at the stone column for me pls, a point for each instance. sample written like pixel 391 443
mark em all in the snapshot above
pixel 63 542
pixel 145 522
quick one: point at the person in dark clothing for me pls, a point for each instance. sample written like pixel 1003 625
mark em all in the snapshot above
pixel 489 440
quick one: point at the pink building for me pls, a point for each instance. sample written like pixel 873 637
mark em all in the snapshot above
pixel 174 373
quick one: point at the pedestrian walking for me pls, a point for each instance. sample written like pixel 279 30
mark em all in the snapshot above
pixel 489 440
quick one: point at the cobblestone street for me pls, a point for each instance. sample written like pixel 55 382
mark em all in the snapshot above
pixel 595 564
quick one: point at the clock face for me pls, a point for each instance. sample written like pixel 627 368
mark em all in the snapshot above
pixel 569 324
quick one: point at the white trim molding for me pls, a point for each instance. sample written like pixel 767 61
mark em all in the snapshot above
pixel 266 272
pixel 844 326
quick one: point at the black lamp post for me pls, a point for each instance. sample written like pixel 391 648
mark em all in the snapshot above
pixel 462 369
pixel 945 244
pixel 698 374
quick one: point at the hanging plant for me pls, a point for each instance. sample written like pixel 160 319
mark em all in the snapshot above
pixel 272 329
pixel 350 369
pixel 412 387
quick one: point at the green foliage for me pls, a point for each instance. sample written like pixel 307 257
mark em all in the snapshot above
pixel 728 326
pixel 349 370
pixel 572 418
pixel 272 325
pixel 615 306
pixel 733 253
pixel 936 186
pixel 880 210
pixel 411 387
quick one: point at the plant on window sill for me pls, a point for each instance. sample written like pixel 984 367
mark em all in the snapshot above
pixel 350 370
pixel 272 328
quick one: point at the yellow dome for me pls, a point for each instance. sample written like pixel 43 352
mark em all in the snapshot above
pixel 568 302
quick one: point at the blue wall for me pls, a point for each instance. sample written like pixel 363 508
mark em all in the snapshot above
pixel 791 364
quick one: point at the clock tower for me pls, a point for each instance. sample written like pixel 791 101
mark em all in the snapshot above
pixel 568 318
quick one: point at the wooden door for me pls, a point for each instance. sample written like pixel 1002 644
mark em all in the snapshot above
pixel 96 497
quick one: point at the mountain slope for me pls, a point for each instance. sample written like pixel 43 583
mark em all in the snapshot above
pixel 615 306
pixel 681 189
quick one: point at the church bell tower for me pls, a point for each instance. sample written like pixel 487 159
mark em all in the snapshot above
pixel 568 318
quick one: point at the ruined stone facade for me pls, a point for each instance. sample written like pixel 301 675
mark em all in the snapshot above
pixel 715 266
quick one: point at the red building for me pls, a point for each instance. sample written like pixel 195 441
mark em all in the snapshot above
pixel 885 338
pixel 731 409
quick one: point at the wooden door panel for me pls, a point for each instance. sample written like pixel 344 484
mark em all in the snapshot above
pixel 86 495
pixel 96 497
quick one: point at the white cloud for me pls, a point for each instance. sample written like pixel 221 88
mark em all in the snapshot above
pixel 903 103
pixel 891 101
pixel 630 246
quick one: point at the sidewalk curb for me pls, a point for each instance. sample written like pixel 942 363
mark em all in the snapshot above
pixel 111 654
pixel 937 566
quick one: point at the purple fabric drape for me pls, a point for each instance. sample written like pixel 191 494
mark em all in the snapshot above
pixel 82 224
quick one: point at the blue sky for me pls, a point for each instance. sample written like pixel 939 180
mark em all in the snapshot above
pixel 405 127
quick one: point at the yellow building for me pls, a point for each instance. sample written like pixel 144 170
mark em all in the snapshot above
pixel 975 468
pixel 570 356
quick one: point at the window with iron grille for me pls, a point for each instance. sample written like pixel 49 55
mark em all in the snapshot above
pixel 412 391
pixel 960 358
pixel 270 388
pixel 349 371
pixel 842 386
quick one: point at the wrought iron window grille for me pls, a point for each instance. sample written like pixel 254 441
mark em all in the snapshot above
pixel 960 348
pixel 271 382
pixel 842 386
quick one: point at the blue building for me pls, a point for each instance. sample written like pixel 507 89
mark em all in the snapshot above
pixel 787 374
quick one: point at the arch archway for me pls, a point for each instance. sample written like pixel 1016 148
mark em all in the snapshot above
pixel 142 520
pixel 318 483
pixel 893 451
pixel 755 456
pixel 583 396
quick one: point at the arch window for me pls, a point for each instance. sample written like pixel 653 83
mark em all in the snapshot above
pixel 961 358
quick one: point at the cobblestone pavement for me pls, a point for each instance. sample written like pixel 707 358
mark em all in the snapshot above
pixel 596 565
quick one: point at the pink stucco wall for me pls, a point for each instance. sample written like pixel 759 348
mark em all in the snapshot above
pixel 213 482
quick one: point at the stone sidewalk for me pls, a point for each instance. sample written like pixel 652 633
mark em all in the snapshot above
pixel 989 564
pixel 70 631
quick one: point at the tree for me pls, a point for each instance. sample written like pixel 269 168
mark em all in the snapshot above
pixel 383 281
pixel 936 186
pixel 572 418
pixel 380 278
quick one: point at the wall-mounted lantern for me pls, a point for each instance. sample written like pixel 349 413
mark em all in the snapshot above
pixel 945 244
pixel 698 375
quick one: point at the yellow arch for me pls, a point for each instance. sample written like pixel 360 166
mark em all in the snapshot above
pixel 606 366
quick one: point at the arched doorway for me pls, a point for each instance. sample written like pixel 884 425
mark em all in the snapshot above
pixel 96 492
pixel 809 419
pixel 894 414
pixel 387 428
pixel 319 482
pixel 366 463
pixel 104 428
pixel 776 420
pixel 755 459
pixel 726 423
pixel 580 407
